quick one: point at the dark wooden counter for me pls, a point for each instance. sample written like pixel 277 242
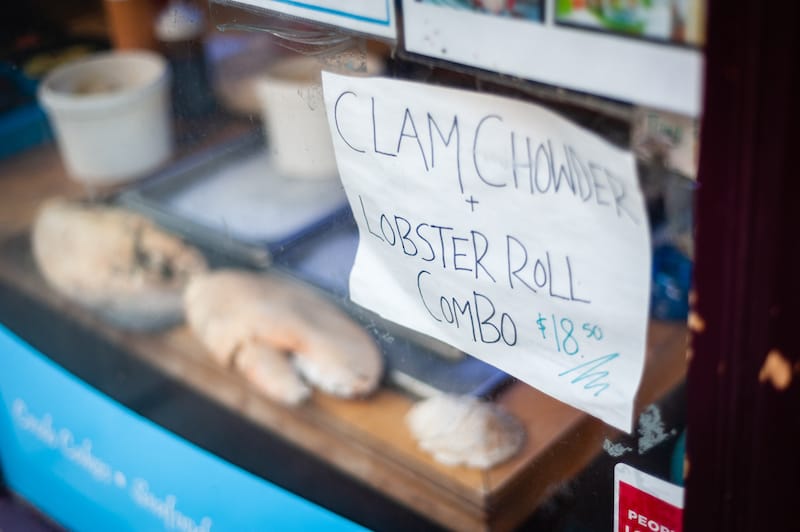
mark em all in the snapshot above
pixel 364 440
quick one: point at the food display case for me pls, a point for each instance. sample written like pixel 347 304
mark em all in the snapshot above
pixel 426 264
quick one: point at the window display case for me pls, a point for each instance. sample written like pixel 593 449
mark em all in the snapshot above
pixel 390 265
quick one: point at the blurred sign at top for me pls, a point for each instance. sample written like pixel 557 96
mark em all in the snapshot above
pixel 645 52
pixel 374 17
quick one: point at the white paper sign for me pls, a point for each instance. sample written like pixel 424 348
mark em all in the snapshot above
pixel 525 41
pixel 376 17
pixel 499 228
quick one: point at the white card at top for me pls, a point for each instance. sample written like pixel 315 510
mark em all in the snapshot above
pixel 500 228
pixel 376 17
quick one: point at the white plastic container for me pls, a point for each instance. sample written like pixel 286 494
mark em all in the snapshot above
pixel 293 110
pixel 111 115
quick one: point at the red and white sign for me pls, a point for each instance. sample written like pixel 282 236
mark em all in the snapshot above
pixel 644 503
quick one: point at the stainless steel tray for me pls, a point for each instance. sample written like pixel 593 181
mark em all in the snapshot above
pixel 229 198
pixel 319 252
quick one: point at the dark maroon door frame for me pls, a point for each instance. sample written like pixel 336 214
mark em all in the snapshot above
pixel 743 443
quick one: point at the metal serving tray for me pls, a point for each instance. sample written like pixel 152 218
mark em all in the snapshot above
pixel 204 200
pixel 230 199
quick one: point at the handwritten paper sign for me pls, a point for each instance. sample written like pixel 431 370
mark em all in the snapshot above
pixel 500 228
